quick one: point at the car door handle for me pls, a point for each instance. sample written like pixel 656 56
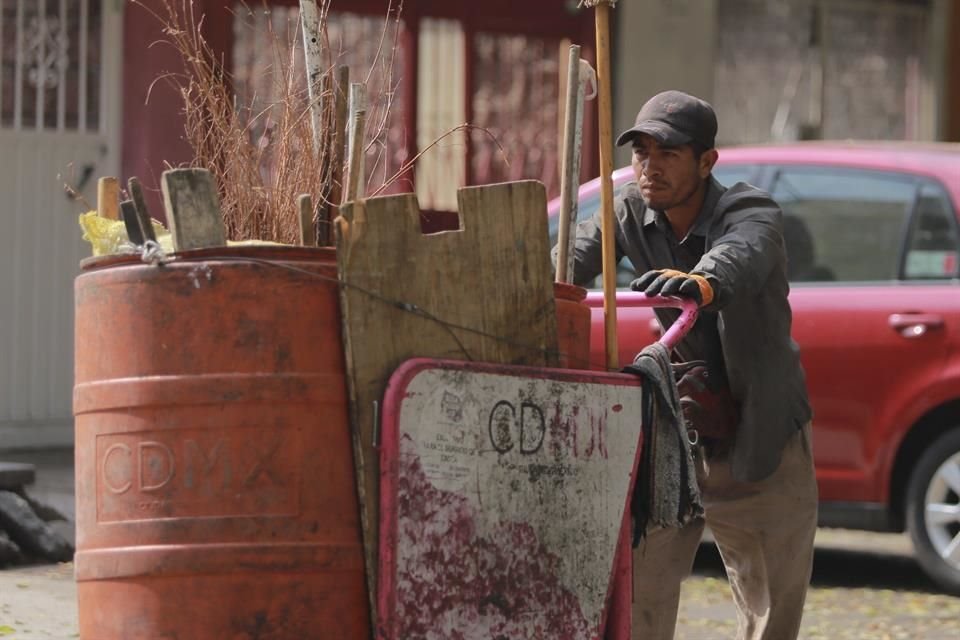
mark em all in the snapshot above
pixel 914 325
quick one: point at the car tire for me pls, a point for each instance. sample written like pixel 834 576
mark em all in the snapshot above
pixel 933 511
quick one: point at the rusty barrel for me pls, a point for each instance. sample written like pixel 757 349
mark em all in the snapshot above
pixel 573 325
pixel 214 475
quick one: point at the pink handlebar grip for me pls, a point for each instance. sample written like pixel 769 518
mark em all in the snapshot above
pixel 684 323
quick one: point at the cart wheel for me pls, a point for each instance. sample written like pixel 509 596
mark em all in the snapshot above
pixel 933 511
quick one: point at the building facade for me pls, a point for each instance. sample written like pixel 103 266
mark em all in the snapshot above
pixel 83 95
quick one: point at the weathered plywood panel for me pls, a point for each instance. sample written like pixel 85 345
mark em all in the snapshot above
pixel 482 293
pixel 504 490
pixel 193 209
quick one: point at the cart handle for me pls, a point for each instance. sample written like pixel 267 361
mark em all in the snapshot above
pixel 688 316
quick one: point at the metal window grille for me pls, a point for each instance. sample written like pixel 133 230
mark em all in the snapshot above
pixel 50 59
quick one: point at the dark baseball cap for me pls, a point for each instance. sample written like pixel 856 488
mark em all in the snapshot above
pixel 674 118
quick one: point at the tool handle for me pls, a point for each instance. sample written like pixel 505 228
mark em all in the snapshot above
pixel 605 128
pixel 108 198
pixel 569 168
pixel 684 323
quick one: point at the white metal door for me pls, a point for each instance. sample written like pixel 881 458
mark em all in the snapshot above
pixel 59 123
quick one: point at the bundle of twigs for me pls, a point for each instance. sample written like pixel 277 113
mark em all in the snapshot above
pixel 263 159
pixel 265 156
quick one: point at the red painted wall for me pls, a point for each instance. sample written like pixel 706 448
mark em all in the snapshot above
pixel 152 134
pixel 152 129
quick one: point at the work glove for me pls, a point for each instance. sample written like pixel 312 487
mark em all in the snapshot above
pixel 669 282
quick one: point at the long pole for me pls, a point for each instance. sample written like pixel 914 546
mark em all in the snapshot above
pixel 310 25
pixel 620 623
pixel 606 184
pixel 355 156
pixel 570 167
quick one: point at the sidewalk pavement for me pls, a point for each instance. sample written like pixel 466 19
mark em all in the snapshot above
pixel 40 601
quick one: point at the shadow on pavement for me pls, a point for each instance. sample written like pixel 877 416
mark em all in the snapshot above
pixel 842 568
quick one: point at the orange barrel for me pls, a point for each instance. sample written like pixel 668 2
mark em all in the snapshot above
pixel 573 325
pixel 214 476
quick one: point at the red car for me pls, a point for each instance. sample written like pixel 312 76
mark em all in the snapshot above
pixel 872 240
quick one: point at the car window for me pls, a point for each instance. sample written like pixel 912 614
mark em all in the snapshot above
pixel 586 209
pixel 932 249
pixel 729 175
pixel 841 224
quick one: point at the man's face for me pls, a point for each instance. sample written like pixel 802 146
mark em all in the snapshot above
pixel 668 176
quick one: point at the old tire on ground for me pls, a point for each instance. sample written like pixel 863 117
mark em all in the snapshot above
pixel 933 510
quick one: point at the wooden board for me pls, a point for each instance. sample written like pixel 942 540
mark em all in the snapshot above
pixel 482 293
pixel 131 222
pixel 135 190
pixel 503 494
pixel 193 209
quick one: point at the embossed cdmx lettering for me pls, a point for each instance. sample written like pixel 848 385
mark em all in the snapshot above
pixel 203 472
pixel 152 466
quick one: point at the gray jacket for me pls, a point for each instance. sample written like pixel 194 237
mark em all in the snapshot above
pixel 745 261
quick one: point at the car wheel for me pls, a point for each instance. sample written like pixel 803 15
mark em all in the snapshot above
pixel 933 511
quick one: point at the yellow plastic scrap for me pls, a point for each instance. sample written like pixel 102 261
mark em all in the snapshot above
pixel 105 236
pixel 108 236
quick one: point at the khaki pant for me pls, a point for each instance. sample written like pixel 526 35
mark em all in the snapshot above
pixel 764 531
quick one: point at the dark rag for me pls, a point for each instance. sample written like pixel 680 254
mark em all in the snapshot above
pixel 666 492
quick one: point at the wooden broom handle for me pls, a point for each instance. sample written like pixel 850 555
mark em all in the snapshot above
pixel 606 185
pixel 569 167
pixel 108 198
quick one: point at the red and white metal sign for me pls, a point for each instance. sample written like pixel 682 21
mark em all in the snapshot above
pixel 503 494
